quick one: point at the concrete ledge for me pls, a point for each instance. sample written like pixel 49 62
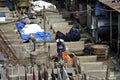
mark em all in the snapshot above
pixel 71 46
pixel 55 20
pixel 92 66
pixel 53 16
pixel 82 59
pixel 60 24
pixel 96 75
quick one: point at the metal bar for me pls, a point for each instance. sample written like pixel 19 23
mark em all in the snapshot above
pixel 89 16
pixel 7 41
pixel 111 28
pixel 96 30
pixel 44 25
pixel 118 43
pixel 11 52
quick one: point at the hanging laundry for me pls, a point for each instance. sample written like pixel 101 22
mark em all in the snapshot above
pixel 45 74
pixel 66 57
pixel 53 75
pixel 33 74
pixel 65 75
pixel 25 74
pixel 3 73
pixel 39 75
pixel 58 75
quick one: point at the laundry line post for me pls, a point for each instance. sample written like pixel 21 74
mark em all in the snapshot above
pixel 110 28
pixel 44 25
pixel 118 42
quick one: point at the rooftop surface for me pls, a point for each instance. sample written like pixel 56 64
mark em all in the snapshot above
pixel 111 4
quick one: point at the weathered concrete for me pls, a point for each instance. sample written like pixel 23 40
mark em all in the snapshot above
pixel 83 59
pixel 64 27
pixel 4 9
pixel 51 13
pixel 77 46
pixel 53 16
pixel 14 41
pixel 11 19
pixel 96 75
pixel 64 30
pixel 92 66
pixel 60 24
pixel 55 20
pixel 68 70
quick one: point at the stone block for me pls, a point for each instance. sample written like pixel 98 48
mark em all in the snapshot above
pixel 92 66
pixel 83 59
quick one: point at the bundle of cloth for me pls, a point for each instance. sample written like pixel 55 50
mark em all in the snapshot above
pixel 72 35
pixel 26 30
pixel 38 5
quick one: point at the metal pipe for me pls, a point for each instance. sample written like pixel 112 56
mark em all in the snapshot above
pixel 111 28
pixel 118 43
pixel 96 30
pixel 44 25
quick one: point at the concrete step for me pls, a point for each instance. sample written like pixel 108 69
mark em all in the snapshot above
pixel 12 36
pixel 53 16
pixel 4 9
pixel 55 20
pixel 13 32
pixel 92 66
pixel 14 41
pixel 7 28
pixel 11 19
pixel 83 59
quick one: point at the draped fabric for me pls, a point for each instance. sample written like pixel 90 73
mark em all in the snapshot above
pixel 53 75
pixel 58 75
pixel 45 74
pixel 65 75
pixel 33 74
pixel 66 57
pixel 3 73
pixel 25 74
pixel 39 75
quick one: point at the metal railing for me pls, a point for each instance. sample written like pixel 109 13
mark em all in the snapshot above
pixel 6 49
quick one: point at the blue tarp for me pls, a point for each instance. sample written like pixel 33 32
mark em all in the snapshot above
pixel 26 37
pixel 99 9
pixel 20 25
pixel 2 14
pixel 10 5
pixel 38 35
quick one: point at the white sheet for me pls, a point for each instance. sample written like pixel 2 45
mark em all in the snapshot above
pixel 38 5
pixel 31 28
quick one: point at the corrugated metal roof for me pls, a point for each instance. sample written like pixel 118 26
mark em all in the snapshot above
pixel 111 4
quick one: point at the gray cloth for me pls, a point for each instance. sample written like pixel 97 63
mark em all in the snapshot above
pixel 3 73
pixel 65 75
